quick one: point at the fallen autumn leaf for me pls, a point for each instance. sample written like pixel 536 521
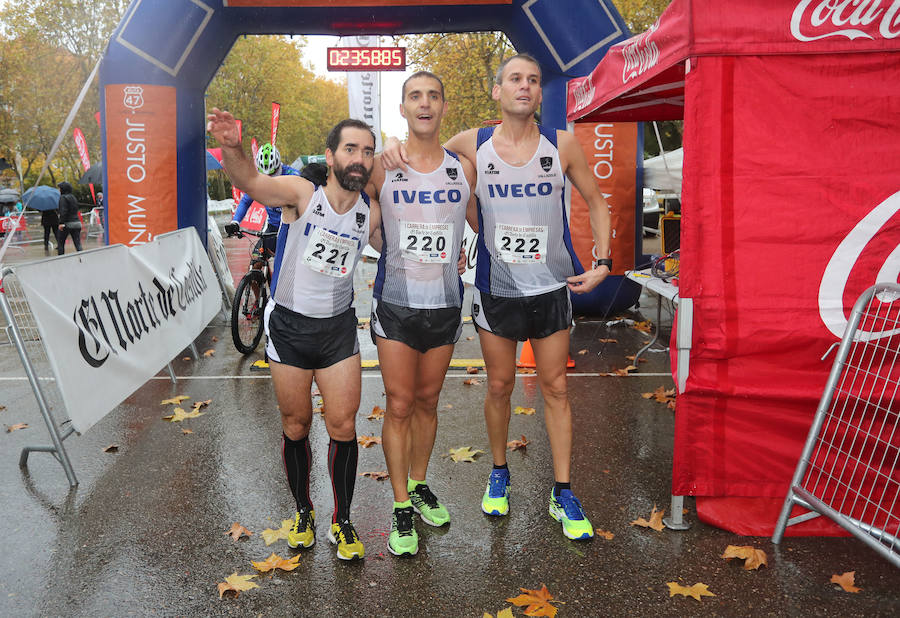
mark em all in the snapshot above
pixel 696 591
pixel 753 558
pixel 237 584
pixel 112 448
pixel 367 441
pixel 236 531
pixel 376 414
pixel 471 382
pixel 464 453
pixel 270 536
pixel 515 445
pixel 178 415
pixel 846 581
pixel 174 400
pixel 525 411
pixel 655 521
pixel 277 562
pixel 536 602
pixel 209 353
pixel 378 476
pixel 16 427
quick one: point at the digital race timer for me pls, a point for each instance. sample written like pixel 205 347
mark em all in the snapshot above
pixel 366 58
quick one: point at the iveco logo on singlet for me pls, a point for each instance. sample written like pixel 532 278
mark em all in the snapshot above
pixel 441 196
pixel 520 190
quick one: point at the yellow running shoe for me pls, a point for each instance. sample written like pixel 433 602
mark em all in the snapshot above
pixel 349 547
pixel 303 533
pixel 259 365
pixel 566 509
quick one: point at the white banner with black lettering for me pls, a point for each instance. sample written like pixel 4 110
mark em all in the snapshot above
pixel 364 89
pixel 111 318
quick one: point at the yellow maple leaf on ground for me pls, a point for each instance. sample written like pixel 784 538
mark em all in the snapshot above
pixel 521 410
pixel 367 441
pixel 209 353
pixel 379 475
pixel 236 583
pixel 516 445
pixel 536 602
pixel 696 591
pixel 631 358
pixel 503 613
pixel 646 326
pixel 471 382
pixel 846 581
pixel 174 400
pixel 236 531
pixel 376 414
pixel 621 372
pixel 753 558
pixel 464 453
pixel 270 536
pixel 201 404
pixel 661 395
pixel 277 562
pixel 16 427
pixel 606 534
pixel 178 414
pixel 526 370
pixel 655 521
pixel 472 370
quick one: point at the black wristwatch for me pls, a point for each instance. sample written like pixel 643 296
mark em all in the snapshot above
pixel 605 262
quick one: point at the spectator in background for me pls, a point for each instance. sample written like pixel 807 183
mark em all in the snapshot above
pixel 50 221
pixel 69 223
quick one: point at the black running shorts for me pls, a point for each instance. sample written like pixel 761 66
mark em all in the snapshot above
pixel 529 317
pixel 309 343
pixel 420 329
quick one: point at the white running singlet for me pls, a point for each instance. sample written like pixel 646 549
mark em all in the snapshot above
pixel 422 221
pixel 524 247
pixel 316 256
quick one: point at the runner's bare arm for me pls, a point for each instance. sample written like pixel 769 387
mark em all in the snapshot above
pixel 576 168
pixel 472 206
pixel 375 238
pixel 463 144
pixel 394 156
pixel 287 192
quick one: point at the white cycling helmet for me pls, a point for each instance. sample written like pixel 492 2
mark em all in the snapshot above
pixel 268 160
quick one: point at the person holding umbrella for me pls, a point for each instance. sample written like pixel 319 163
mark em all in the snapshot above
pixel 50 221
pixel 69 224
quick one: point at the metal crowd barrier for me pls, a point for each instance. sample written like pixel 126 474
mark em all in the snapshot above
pixel 848 470
pixel 23 333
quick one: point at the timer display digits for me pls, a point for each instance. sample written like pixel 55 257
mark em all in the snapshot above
pixel 366 58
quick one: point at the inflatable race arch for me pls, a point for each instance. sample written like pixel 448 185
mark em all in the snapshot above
pixel 164 53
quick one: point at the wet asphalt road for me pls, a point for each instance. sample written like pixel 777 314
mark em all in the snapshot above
pixel 143 533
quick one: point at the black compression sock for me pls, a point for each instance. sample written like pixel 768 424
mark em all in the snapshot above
pixel 558 487
pixel 297 458
pixel 503 467
pixel 342 458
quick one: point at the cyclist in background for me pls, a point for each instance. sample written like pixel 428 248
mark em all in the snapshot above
pixel 268 162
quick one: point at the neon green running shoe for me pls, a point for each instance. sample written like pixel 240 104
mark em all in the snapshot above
pixel 403 540
pixel 427 506
pixel 496 496
pixel 566 509
pixel 343 534
pixel 303 533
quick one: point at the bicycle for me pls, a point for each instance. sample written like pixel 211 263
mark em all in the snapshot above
pixel 250 298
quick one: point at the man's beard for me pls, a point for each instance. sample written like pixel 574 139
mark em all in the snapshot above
pixel 352 183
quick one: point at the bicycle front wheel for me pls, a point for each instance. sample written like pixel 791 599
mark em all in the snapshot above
pixel 247 311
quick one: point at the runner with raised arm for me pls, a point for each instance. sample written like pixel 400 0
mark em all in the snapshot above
pixel 526 268
pixel 417 300
pixel 310 325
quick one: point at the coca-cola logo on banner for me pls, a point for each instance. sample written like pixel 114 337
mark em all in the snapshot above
pixel 640 54
pixel 855 19
pixel 583 91
pixel 840 266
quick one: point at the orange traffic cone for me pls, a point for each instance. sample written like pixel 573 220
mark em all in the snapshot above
pixel 526 357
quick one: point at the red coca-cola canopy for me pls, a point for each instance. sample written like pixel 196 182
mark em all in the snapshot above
pixel 642 78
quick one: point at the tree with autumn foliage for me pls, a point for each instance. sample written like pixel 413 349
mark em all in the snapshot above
pixel 47 51
pixel 263 69
pixel 640 14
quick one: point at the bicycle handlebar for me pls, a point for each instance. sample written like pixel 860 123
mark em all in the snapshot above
pixel 242 232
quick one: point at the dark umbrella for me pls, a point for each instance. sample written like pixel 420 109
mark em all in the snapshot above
pixel 41 198
pixel 211 162
pixel 93 176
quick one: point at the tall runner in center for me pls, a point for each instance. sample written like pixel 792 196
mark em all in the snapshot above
pixel 417 300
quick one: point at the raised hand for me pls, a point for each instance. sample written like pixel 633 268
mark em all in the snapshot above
pixel 223 127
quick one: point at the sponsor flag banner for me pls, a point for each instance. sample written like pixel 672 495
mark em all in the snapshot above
pixel 256 217
pixel 611 153
pixel 364 88
pixel 276 115
pixel 141 162
pixel 81 144
pixel 97 118
pixel 118 327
